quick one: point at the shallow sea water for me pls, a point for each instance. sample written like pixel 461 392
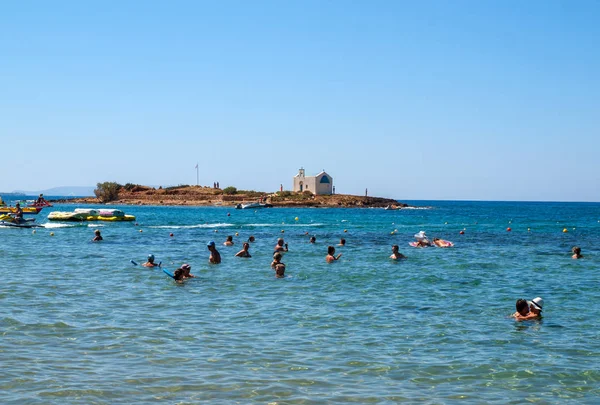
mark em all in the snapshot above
pixel 81 325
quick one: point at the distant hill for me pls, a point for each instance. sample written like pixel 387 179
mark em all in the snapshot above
pixel 80 191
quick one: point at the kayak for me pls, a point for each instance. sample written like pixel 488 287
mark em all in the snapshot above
pixel 40 205
pixel 26 210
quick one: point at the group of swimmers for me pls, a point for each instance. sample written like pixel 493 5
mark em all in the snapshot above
pixel 525 309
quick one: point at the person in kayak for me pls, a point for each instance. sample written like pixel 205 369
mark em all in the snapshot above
pixel 41 200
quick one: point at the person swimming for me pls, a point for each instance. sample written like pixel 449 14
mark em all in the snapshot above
pixel 276 260
pixel 280 246
pixel 313 239
pixel 150 262
pixel 280 270
pixel 576 252
pixel 229 241
pixel 186 271
pixel 244 252
pixel 535 306
pixel 331 257
pixel 215 256
pixel 396 253
pixel 342 242
pixel 97 236
pixel 178 275
pixel 522 309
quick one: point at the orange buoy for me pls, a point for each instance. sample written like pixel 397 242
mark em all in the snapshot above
pixel 171 235
pixel 508 229
pixel 462 232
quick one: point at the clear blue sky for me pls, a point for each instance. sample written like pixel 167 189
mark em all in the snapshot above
pixel 489 100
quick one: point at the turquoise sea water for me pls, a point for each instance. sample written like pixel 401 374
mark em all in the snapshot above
pixel 81 325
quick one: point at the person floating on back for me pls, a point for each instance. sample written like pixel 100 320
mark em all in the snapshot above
pixel 331 257
pixel 150 262
pixel 97 236
pixel 422 240
pixel 576 252
pixel 244 252
pixel 215 256
pixel 396 253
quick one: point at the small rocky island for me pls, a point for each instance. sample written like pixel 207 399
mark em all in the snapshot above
pixel 135 194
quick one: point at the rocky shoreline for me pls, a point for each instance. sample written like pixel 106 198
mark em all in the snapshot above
pixel 206 196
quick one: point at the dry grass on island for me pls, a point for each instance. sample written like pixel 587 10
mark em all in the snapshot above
pixel 135 194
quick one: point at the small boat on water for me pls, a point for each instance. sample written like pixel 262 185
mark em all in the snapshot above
pixel 254 205
pixel 42 204
pixel 90 214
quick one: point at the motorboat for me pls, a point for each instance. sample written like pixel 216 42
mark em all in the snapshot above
pixel 255 205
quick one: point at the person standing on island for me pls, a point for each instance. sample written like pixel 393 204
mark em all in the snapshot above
pixel 244 252
pixel 576 252
pixel 331 257
pixel 396 253
pixel 97 236
pixel 215 256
